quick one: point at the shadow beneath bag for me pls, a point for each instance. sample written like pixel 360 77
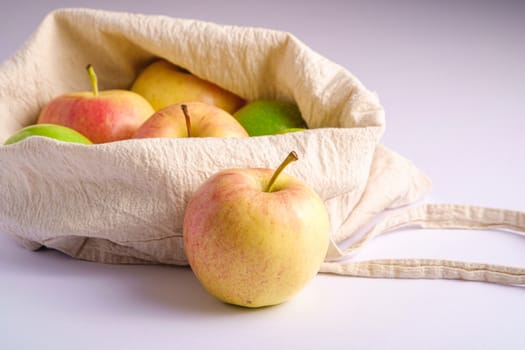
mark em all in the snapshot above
pixel 158 290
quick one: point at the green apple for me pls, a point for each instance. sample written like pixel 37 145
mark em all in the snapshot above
pixel 192 119
pixel 269 117
pixel 103 116
pixel 255 237
pixel 288 130
pixel 163 83
pixel 57 132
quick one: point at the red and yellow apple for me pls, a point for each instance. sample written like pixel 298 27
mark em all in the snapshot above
pixel 255 237
pixel 192 119
pixel 163 83
pixel 103 116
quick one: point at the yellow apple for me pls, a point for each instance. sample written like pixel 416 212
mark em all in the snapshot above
pixel 163 84
pixel 255 237
pixel 192 119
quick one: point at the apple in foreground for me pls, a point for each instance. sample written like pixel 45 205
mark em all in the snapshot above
pixel 57 132
pixel 192 119
pixel 255 237
pixel 163 83
pixel 104 116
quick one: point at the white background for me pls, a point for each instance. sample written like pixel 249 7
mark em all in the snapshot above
pixel 451 76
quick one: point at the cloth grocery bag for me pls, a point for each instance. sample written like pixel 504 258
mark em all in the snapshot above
pixel 123 202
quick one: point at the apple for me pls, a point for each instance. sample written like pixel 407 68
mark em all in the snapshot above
pixel 101 116
pixel 255 237
pixel 57 132
pixel 269 117
pixel 192 119
pixel 163 83
pixel 289 130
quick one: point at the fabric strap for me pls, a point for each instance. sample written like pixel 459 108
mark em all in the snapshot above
pixel 450 216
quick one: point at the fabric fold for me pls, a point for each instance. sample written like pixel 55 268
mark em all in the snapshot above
pixel 123 202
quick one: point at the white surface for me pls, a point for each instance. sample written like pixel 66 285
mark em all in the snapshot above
pixel 451 78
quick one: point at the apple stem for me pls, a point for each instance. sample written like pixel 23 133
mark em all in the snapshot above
pixel 292 157
pixel 187 117
pixel 92 79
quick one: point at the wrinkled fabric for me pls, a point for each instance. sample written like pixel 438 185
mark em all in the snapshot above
pixel 123 202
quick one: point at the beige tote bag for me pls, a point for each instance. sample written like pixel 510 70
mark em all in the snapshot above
pixel 123 202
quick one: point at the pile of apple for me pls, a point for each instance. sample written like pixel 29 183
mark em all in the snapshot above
pixel 253 237
pixel 164 101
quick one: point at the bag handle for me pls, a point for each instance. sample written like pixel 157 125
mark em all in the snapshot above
pixel 432 216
